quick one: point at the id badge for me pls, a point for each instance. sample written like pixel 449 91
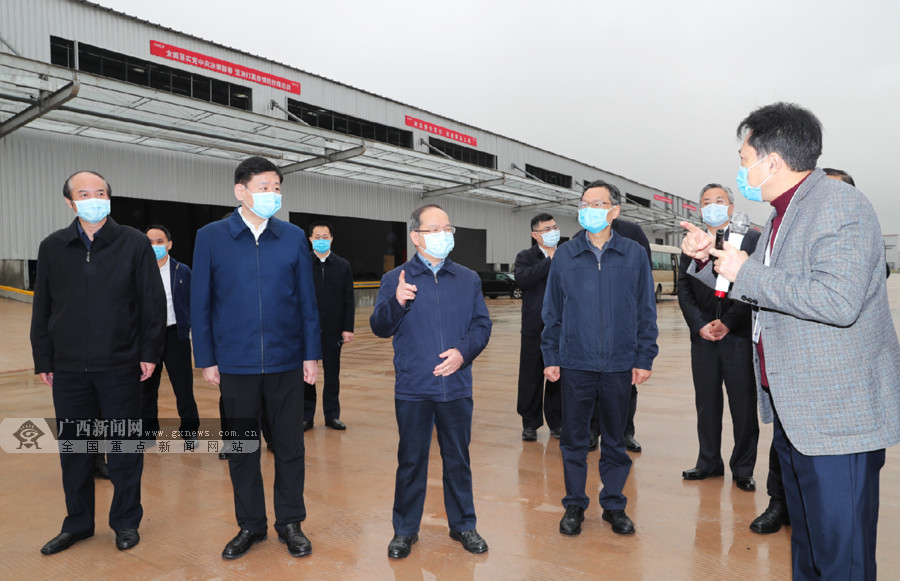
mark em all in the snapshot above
pixel 756 328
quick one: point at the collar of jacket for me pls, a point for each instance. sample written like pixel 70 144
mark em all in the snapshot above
pixel 581 242
pixel 236 225
pixel 415 266
pixel 109 232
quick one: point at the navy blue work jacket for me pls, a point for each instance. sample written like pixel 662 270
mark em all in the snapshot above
pixel 448 312
pixel 600 319
pixel 253 303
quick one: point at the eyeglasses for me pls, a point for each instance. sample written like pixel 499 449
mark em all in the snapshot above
pixel 547 229
pixel 595 204
pixel 447 229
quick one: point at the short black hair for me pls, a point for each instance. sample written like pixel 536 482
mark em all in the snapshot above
pixel 319 223
pixel 840 174
pixel 614 193
pixel 162 228
pixel 787 129
pixel 67 188
pixel 540 218
pixel 253 166
pixel 415 219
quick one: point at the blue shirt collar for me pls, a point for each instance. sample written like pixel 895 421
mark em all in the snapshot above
pixel 434 268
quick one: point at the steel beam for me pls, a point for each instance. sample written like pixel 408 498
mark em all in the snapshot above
pixel 42 107
pixel 329 158
pixel 464 188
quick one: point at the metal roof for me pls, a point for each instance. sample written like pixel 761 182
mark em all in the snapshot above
pixel 57 99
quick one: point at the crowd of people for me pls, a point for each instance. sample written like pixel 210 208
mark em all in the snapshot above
pixel 804 334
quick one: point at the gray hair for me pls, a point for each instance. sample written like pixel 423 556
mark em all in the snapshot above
pixel 615 195
pixel 719 186
pixel 415 219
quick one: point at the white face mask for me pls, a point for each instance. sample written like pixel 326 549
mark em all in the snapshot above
pixel 551 238
pixel 438 244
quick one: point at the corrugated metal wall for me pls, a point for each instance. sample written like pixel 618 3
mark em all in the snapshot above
pixel 40 162
pixel 34 165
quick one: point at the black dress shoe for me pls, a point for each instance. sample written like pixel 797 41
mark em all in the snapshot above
pixel 621 524
pixel 399 547
pixel 127 538
pixel 239 545
pixel 571 521
pixel 745 483
pixel 556 433
pixel 529 434
pixel 771 520
pixel 336 424
pixel 631 444
pixel 697 474
pixel 471 541
pixel 592 445
pixel 63 541
pixel 297 543
pixel 307 425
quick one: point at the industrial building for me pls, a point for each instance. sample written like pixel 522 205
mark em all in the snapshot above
pixel 166 117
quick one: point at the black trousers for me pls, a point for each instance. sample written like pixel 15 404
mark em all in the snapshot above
pixel 538 398
pixel 331 364
pixel 711 364
pixel 629 422
pixel 280 398
pixel 100 395
pixel 177 360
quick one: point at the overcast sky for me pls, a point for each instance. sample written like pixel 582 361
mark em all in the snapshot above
pixel 650 90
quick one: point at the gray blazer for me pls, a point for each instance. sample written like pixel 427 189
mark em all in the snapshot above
pixel 831 350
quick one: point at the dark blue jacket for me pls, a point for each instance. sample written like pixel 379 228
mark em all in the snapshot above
pixel 448 312
pixel 180 281
pixel 253 304
pixel 599 319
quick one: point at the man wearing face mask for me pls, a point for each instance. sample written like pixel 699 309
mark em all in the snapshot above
pixel 599 339
pixel 256 336
pixel 176 355
pixel 826 348
pixel 96 333
pixel 435 312
pixel 536 400
pixel 334 295
pixel 721 351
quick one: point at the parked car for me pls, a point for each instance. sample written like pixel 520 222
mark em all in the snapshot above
pixel 496 284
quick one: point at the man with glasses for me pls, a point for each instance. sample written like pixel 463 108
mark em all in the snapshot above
pixel 536 400
pixel 435 312
pixel 721 352
pixel 599 339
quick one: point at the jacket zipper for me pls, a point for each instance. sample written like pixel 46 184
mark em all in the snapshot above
pixel 86 302
pixel 262 349
pixel 437 298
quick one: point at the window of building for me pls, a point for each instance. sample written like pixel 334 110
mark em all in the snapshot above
pixel 114 65
pixel 348 125
pixel 62 52
pixel 463 153
pixel 637 200
pixel 549 177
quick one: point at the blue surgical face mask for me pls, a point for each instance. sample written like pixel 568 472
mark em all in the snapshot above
pixel 715 214
pixel 438 244
pixel 160 251
pixel 265 204
pixel 754 194
pixel 321 245
pixel 92 210
pixel 593 219
pixel 551 238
